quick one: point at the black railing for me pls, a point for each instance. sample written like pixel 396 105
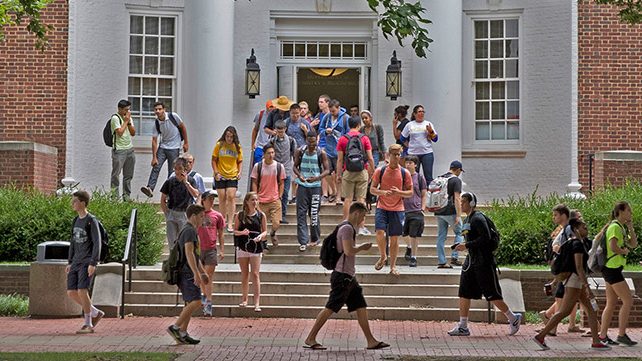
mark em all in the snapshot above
pixel 130 258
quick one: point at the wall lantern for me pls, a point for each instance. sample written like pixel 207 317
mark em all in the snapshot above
pixel 393 77
pixel 252 76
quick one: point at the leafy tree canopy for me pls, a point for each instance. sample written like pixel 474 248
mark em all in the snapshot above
pixel 17 12
pixel 630 10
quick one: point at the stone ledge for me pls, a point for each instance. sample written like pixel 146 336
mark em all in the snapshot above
pixel 21 145
pixel 493 154
pixel 619 155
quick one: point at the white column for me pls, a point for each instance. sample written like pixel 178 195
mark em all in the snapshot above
pixel 573 188
pixel 437 79
pixel 207 77
pixel 69 180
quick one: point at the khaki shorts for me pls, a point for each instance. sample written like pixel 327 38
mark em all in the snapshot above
pixel 272 211
pixel 354 184
pixel 574 281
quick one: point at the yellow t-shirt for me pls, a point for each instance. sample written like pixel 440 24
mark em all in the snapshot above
pixel 617 231
pixel 227 159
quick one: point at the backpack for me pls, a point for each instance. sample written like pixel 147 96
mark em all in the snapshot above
pixel 173 120
pixel 171 268
pixel 438 193
pixel 259 167
pixel 494 233
pixel 104 238
pixel 108 135
pixel 598 253
pixel 549 254
pixel 329 254
pixel 354 157
pixel 563 262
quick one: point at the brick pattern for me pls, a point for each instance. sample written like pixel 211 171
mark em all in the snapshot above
pixel 29 169
pixel 615 173
pixel 610 72
pixel 33 95
pixel 14 279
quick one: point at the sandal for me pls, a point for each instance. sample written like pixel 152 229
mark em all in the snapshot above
pixel 445 265
pixel 380 263
pixel 257 309
pixel 243 304
pixel 378 346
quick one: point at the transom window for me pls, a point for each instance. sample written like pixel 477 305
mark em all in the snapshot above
pixel 315 50
pixel 152 67
pixel 496 72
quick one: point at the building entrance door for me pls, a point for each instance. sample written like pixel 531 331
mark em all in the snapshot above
pixel 343 84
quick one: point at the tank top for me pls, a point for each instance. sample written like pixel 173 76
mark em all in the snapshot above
pixel 309 168
pixel 246 243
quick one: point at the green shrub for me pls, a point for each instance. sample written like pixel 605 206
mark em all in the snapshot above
pixel 525 223
pixel 28 218
pixel 14 305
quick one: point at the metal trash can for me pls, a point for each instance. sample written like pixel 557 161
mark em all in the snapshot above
pixel 48 283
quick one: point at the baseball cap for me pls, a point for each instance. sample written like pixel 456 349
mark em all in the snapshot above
pixel 208 193
pixel 455 164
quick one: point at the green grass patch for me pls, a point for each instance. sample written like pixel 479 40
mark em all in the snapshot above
pixel 14 305
pixel 87 356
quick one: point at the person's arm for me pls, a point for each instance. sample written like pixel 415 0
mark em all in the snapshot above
pixel 154 151
pixel 269 125
pixel 380 141
pixel 200 277
pixel 350 250
pixel 70 255
pixel 374 186
pixel 423 198
pixel 325 167
pixel 130 124
pixel 395 128
pixel 339 164
pixel 297 164
pixel 431 133
pixel 281 180
pixel 483 234
pixel 163 203
pixel 579 267
pixel 221 241
pixel 264 231
pixel 371 165
pixel 191 188
pixel 253 176
pixel 239 165
pixel 96 243
pixel 124 125
pixel 183 129
pixel 457 200
pixel 401 192
pixel 616 249
pixel 632 242
pixel 237 225
pixel 255 131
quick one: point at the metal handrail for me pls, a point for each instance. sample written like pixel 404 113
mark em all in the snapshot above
pixel 130 257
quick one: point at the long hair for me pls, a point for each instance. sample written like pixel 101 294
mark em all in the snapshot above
pixel 235 135
pixel 619 207
pixel 414 111
pixel 246 208
pixel 402 110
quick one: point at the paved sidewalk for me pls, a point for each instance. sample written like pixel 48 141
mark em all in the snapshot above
pixel 232 339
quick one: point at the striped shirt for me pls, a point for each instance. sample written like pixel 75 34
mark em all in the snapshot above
pixel 309 168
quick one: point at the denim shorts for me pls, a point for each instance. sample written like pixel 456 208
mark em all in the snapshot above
pixel 389 221
pixel 78 277
pixel 189 290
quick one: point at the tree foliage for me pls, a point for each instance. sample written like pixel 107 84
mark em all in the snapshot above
pixel 18 12
pixel 630 10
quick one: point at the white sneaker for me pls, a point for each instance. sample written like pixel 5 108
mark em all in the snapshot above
pixel 514 326
pixel 364 231
pixel 459 331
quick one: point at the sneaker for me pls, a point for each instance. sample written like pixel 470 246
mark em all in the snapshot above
pixel 413 262
pixel 459 331
pixel 600 347
pixel 85 329
pixel 147 191
pixel 293 200
pixel 189 340
pixel 541 344
pixel 99 316
pixel 626 341
pixel 363 231
pixel 607 341
pixel 302 248
pixel 514 326
pixel 175 333
pixel 207 310
pixel 284 221
pixel 455 262
pixel 408 254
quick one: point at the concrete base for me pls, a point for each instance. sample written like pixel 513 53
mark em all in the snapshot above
pixel 48 291
pixel 107 288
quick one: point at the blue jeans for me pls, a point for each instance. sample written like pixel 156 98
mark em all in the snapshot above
pixel 285 195
pixel 375 157
pixel 425 162
pixel 442 231
pixel 162 155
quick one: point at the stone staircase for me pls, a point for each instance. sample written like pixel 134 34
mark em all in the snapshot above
pixel 293 284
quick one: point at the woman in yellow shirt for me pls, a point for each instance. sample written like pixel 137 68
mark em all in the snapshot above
pixel 227 159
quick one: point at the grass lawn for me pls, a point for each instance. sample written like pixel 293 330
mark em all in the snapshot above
pixel 87 356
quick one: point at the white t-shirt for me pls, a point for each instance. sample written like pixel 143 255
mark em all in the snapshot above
pixel 418 142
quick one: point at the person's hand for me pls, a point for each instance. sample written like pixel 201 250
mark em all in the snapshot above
pixel 128 116
pixel 245 232
pixel 460 247
pixel 365 246
pixel 91 270
pixel 315 122
pixel 68 268
pixel 625 251
pixel 185 147
pixel 429 128
pixel 218 177
pixel 303 127
pixel 221 255
pixel 387 192
pixel 394 190
pixel 154 162
pixel 629 224
pixel 458 220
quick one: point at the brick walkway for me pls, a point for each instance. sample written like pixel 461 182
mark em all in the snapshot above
pixel 281 339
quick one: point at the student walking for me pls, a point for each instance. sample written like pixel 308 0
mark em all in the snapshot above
pixel 450 216
pixel 227 163
pixel 332 127
pixel 209 232
pixel 344 287
pixel 259 136
pixel 177 193
pixel 192 277
pixel 84 254
pixel 267 182
pixel 375 134
pixel 420 135
pixel 479 273
pixel 413 226
pixel 284 148
pixel 399 122
pixel 250 230
pixel 123 158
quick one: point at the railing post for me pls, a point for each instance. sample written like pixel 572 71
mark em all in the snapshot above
pixel 122 293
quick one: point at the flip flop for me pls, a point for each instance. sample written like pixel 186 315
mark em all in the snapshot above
pixel 380 263
pixel 378 346
pixel 316 346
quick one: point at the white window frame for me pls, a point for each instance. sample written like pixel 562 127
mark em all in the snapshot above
pixel 341 59
pixel 469 99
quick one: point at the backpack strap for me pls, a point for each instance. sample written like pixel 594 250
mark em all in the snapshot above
pixel 403 175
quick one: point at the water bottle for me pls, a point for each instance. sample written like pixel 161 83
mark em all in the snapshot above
pixel 594 304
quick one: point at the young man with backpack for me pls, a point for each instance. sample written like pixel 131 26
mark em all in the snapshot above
pixel 479 273
pixel 192 276
pixel 171 129
pixel 123 158
pixel 259 137
pixel 84 255
pixel 344 288
pixel 331 128
pixel 284 148
pixel 310 167
pixel 355 164
pixel 450 214
pixel 209 232
pixel 268 177
pixel 413 225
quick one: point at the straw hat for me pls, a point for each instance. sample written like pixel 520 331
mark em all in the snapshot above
pixel 282 103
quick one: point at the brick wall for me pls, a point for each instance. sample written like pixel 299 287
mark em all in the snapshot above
pixel 33 95
pixel 615 173
pixel 14 279
pixel 28 165
pixel 610 73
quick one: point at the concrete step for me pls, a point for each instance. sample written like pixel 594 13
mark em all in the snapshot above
pixel 313 259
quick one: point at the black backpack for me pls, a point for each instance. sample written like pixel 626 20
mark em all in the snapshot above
pixel 173 120
pixel 329 254
pixel 171 268
pixel 494 233
pixel 108 135
pixel 354 157
pixel 563 262
pixel 104 238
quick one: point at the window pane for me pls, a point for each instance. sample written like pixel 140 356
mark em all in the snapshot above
pixel 335 50
pixel 360 50
pixel 512 130
pixel 135 44
pixel 135 108
pixel 167 46
pixel 133 86
pixel 497 29
pixel 482 91
pixel 151 65
pixel 512 110
pixel 147 126
pixel 512 28
pixel 481 69
pixel 496 69
pixel 299 50
pixel 324 50
pixel 481 29
pixel 288 50
pixel 347 50
pixel 511 68
pixel 151 45
pixel 498 130
pixel 167 26
pixel 497 49
pixel 482 111
pixel 167 66
pixel 512 88
pixel 148 105
pixel 167 102
pixel 512 47
pixel 149 86
pixel 498 110
pixel 135 64
pixel 481 49
pixel 312 50
pixel 165 87
pixel 499 89
pixel 151 25
pixel 482 131
pixel 136 25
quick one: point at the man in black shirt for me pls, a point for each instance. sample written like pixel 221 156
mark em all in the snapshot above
pixel 450 216
pixel 181 191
